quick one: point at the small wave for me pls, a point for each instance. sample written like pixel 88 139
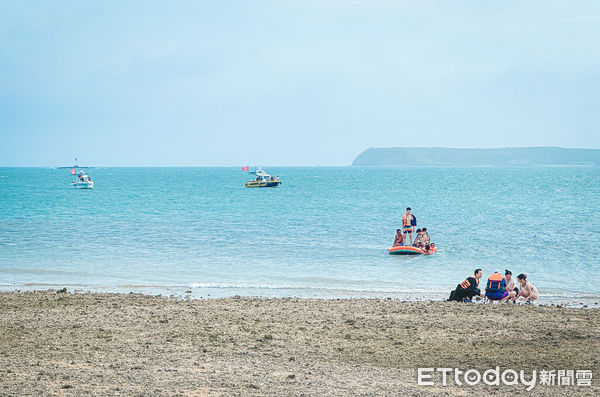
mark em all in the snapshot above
pixel 314 279
pixel 53 285
pixel 148 286
pixel 34 270
pixel 347 289
pixel 20 270
pixel 568 295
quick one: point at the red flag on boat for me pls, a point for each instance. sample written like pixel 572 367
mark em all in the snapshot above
pixel 73 171
pixel 245 168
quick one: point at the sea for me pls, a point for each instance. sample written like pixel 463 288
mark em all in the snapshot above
pixel 324 233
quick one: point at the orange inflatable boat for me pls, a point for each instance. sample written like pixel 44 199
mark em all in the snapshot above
pixel 408 250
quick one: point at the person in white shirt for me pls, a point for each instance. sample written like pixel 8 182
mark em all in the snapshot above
pixel 510 286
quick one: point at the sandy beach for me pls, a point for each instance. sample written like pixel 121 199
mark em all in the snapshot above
pixel 54 343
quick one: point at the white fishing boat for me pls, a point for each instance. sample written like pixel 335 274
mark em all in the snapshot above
pixel 82 180
pixel 263 179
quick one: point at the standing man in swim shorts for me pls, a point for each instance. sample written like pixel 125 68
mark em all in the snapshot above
pixel 408 222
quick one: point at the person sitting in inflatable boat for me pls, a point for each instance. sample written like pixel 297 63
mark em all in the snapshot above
pixel 399 239
pixel 426 238
pixel 495 289
pixel 418 239
pixel 429 248
pixel 422 239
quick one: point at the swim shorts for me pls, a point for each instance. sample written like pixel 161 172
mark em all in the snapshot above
pixel 497 295
pixel 408 229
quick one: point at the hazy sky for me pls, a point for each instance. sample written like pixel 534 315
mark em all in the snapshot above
pixel 291 82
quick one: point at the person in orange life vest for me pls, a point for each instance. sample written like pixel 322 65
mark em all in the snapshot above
pixel 495 288
pixel 399 239
pixel 466 290
pixel 409 221
pixel 510 286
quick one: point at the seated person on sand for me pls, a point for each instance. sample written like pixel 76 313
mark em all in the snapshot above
pixel 466 290
pixel 528 291
pixel 495 289
pixel 510 286
pixel 399 239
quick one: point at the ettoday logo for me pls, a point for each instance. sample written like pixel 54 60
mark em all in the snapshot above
pixel 508 377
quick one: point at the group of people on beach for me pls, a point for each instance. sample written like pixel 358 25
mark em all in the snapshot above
pixel 498 288
pixel 409 222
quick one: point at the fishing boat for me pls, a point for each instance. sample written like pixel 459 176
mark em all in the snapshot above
pixel 82 180
pixel 263 179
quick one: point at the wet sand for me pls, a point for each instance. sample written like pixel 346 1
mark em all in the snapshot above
pixel 130 344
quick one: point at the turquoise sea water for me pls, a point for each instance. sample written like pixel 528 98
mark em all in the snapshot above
pixel 323 233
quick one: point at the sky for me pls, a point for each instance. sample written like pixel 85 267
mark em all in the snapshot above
pixel 230 83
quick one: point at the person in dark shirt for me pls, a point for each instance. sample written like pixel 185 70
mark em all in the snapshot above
pixel 466 290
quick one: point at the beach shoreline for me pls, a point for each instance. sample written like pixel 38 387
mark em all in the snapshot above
pixel 194 292
pixel 62 343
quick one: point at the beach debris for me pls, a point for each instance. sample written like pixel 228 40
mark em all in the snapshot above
pixel 62 291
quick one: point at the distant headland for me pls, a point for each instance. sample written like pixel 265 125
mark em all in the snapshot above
pixel 437 156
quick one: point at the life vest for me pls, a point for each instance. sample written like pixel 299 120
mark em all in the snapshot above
pixel 467 283
pixel 413 221
pixel 494 283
